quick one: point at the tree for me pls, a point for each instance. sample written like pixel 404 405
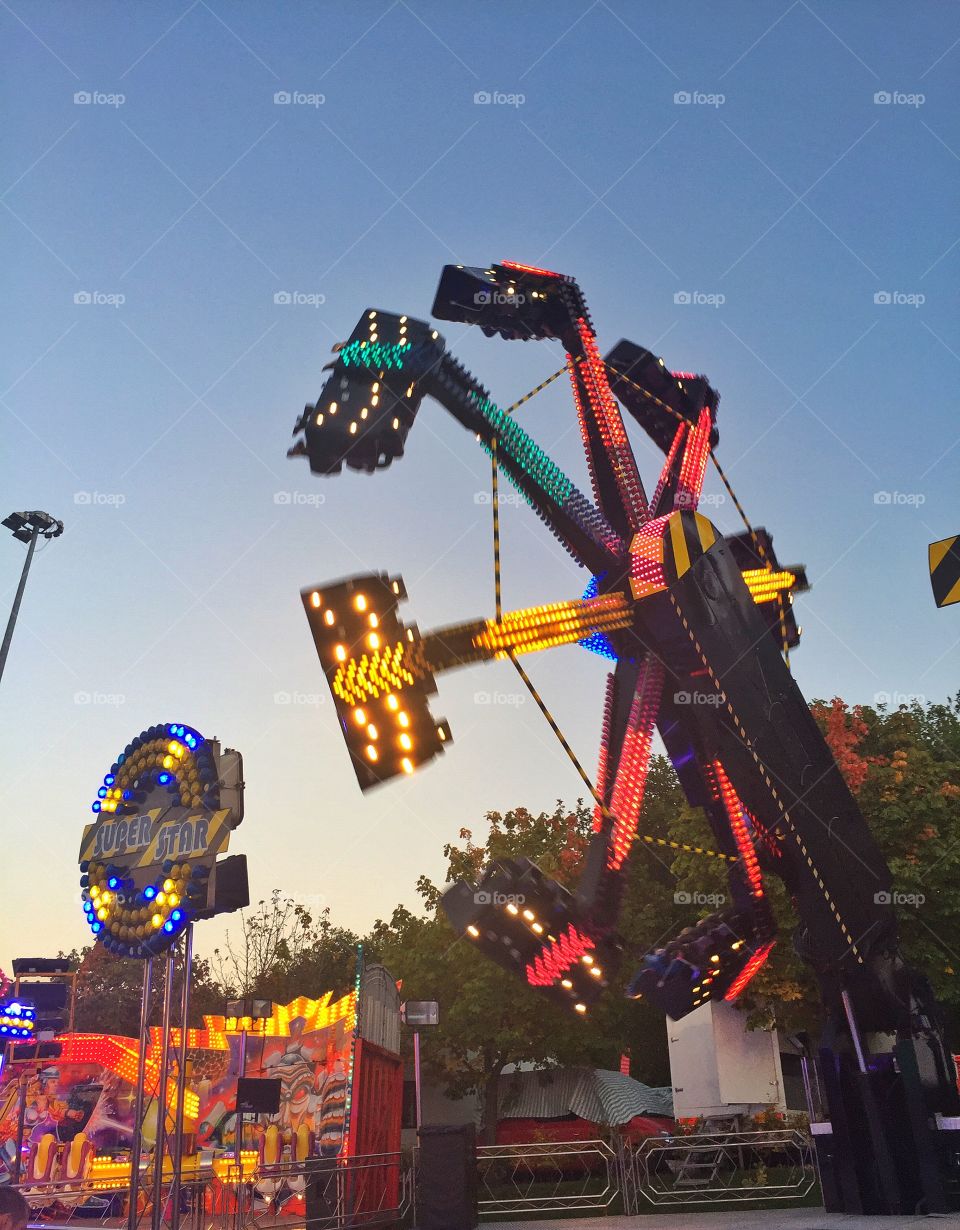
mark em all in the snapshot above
pixel 283 951
pixel 488 1019
pixel 903 767
pixel 110 990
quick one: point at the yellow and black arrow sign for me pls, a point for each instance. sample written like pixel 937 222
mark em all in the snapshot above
pixel 945 570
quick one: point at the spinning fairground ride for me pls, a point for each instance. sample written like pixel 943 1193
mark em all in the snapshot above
pixel 698 627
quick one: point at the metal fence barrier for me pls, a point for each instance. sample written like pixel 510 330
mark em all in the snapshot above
pixel 718 1168
pixel 319 1194
pixel 580 1176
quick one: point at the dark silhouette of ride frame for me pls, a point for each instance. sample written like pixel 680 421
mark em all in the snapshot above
pixel 697 627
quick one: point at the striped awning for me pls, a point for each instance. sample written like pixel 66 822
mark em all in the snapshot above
pixel 593 1094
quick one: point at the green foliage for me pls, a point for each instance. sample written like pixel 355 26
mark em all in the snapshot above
pixel 283 951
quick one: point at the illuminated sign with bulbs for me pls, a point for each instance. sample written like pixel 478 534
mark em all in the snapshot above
pixel 148 862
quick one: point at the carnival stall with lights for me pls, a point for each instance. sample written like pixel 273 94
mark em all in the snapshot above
pixel 698 627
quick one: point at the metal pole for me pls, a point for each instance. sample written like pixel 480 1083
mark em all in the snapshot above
pixel 854 1032
pixel 416 1074
pixel 15 610
pixel 158 1148
pixel 181 1079
pixel 138 1106
pixel 24 1080
pixel 238 1132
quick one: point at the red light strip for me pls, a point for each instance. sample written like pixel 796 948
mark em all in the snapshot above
pixel 723 789
pixel 749 971
pixel 612 432
pixel 646 559
pixel 547 273
pixel 684 375
pixel 634 763
pixel 668 465
pixel 694 463
pixel 582 420
pixel 604 757
pixel 555 959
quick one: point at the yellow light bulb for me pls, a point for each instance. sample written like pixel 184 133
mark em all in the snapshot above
pixel 580 1007
pixel 373 641
pixel 372 753
pixel 314 599
pixel 372 731
pixel 157 920
pixel 392 702
pixel 329 618
pixel 360 602
pixel 340 653
pixel 360 717
pixel 403 719
pixel 472 930
pixel 406 765
pixel 406 743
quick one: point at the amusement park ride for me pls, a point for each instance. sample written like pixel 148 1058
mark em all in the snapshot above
pixel 698 628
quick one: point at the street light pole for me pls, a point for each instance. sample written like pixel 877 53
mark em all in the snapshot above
pixel 26 527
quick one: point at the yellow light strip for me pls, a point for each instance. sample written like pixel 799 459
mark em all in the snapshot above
pixel 765 586
pixel 560 623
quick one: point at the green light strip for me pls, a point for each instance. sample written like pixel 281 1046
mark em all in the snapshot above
pixel 374 354
pixel 524 453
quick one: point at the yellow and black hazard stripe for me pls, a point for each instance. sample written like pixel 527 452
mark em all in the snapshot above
pixel 687 536
pixel 945 570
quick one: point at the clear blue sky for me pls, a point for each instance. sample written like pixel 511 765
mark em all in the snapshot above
pixel 156 427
